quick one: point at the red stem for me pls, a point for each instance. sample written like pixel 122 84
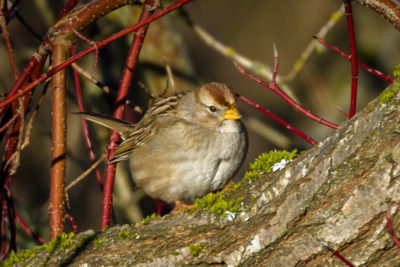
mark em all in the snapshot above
pixel 9 206
pixel 58 143
pixel 390 229
pixel 8 45
pixel 12 140
pixel 275 88
pixel 73 223
pixel 354 64
pixel 343 259
pixel 4 229
pixel 27 229
pixel 347 56
pixel 84 123
pixel 9 122
pixel 21 80
pixel 279 120
pixel 119 111
pixel 12 95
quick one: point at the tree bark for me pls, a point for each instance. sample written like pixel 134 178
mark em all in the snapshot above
pixel 334 196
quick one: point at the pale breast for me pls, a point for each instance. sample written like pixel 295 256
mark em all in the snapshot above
pixel 175 167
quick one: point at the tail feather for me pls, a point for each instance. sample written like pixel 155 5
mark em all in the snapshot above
pixel 122 127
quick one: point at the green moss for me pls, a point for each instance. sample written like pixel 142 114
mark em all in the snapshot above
pixel 195 250
pixel 264 162
pixel 21 256
pixel 62 241
pixel 98 242
pixel 235 186
pixel 147 220
pixel 124 234
pixel 396 74
pixel 370 108
pixel 387 96
pixel 217 204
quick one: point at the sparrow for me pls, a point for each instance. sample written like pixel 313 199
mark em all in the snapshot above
pixel 186 145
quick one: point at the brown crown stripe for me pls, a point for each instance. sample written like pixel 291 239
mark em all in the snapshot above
pixel 222 94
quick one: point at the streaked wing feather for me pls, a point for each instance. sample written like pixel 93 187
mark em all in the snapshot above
pixel 145 129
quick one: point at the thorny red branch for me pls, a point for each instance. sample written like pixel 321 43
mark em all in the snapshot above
pixel 275 88
pixel 27 229
pixel 83 53
pixel 344 54
pixel 279 120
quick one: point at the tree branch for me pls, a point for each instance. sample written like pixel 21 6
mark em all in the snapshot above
pixel 334 197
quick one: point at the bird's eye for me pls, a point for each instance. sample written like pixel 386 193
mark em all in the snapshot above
pixel 212 109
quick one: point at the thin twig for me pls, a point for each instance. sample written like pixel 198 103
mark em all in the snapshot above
pixel 73 223
pixel 390 229
pixel 170 80
pixel 361 64
pixel 343 259
pixel 16 156
pixel 4 212
pixel 8 45
pixel 354 64
pixel 91 78
pixel 27 229
pixel 11 220
pixel 85 173
pixel 313 45
pixel 84 123
pixel 9 122
pixel 29 126
pixel 340 257
pixel 81 36
pixel 279 120
pixel 256 67
pixel 275 88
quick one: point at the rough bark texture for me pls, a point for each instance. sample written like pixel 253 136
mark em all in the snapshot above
pixel 335 195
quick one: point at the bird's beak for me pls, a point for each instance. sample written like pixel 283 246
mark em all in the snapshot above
pixel 231 114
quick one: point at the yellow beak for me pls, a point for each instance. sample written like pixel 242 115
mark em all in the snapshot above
pixel 231 114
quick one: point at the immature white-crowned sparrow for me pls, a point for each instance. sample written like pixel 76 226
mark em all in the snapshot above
pixel 186 145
